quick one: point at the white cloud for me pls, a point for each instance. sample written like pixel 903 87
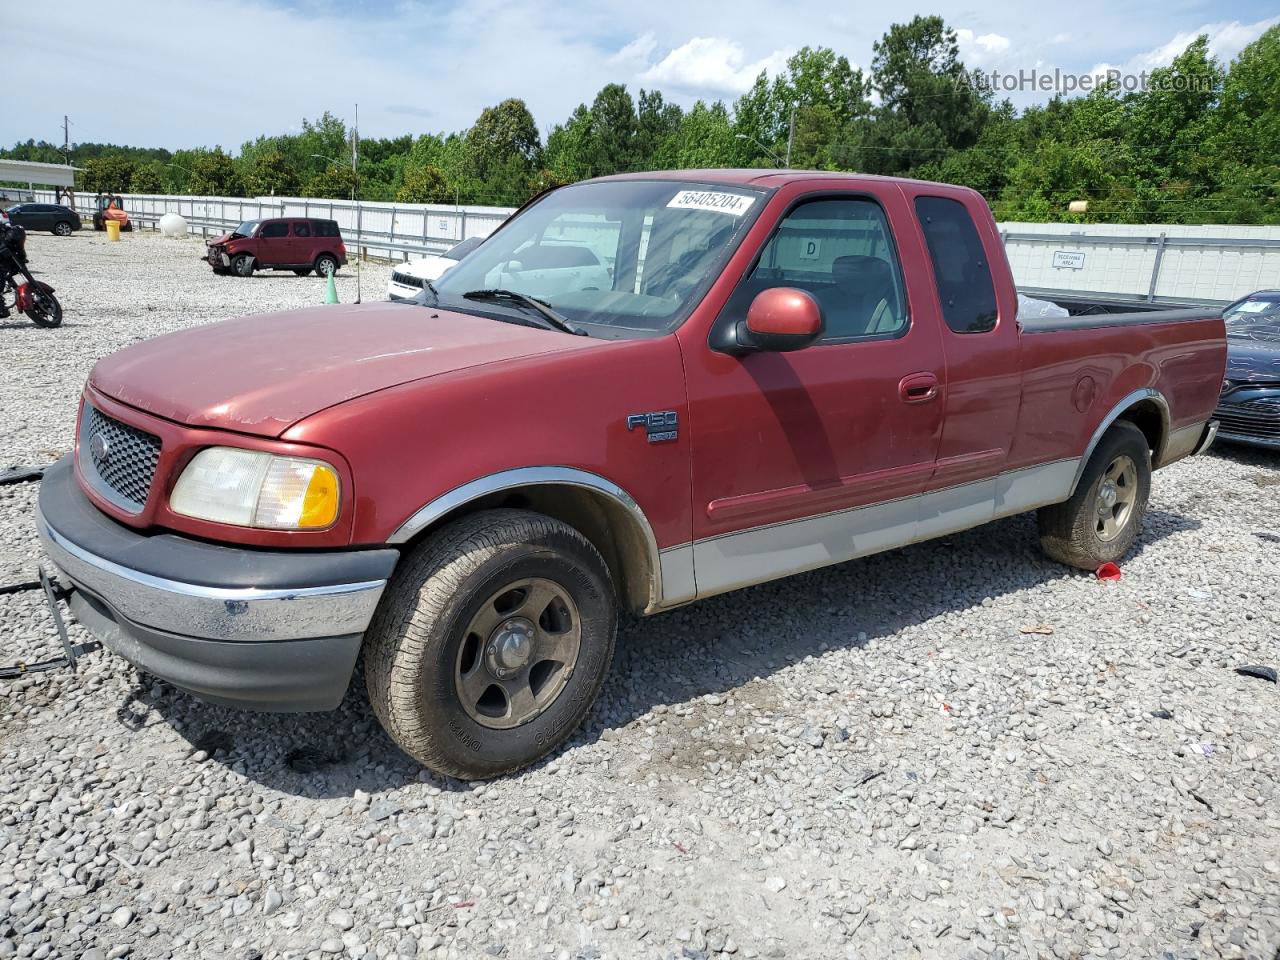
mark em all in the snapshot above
pixel 712 65
pixel 637 51
pixel 1226 40
pixel 980 45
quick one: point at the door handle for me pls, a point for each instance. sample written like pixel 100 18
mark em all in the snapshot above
pixel 918 387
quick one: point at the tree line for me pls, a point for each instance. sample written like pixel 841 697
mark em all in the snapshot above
pixel 1198 144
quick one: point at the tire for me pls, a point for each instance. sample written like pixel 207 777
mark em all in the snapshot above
pixel 45 310
pixel 424 647
pixel 326 264
pixel 1103 518
pixel 305 272
pixel 62 228
pixel 242 265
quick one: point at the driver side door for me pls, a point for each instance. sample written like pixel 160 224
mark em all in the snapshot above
pixel 806 458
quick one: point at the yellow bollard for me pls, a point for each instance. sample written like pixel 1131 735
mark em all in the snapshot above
pixel 113 230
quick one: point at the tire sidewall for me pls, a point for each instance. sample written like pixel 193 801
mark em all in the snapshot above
pixel 326 261
pixel 1130 443
pixel 463 741
pixel 242 265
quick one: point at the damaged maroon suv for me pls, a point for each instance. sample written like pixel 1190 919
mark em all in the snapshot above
pixel 300 244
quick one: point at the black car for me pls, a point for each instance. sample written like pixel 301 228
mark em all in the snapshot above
pixel 1249 410
pixel 45 216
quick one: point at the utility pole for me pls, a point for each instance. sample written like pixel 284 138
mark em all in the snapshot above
pixel 66 140
pixel 355 192
pixel 791 135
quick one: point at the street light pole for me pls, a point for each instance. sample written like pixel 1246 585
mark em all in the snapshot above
pixel 743 136
pixel 791 135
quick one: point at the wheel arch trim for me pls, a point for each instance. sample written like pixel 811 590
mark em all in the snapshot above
pixel 524 477
pixel 1145 394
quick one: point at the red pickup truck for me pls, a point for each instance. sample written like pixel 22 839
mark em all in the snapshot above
pixel 784 370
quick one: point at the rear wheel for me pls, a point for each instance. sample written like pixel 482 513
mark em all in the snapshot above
pixel 1103 518
pixel 326 264
pixel 62 228
pixel 242 264
pixel 492 643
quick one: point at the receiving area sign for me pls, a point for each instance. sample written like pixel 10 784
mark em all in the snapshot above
pixel 1062 259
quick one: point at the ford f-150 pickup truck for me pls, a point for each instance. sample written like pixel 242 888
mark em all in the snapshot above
pixel 775 371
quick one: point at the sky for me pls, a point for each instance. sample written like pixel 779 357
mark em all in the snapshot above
pixel 185 73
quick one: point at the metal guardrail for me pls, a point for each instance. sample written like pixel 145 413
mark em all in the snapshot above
pixel 458 222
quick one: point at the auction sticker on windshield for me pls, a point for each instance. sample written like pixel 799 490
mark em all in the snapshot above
pixel 732 203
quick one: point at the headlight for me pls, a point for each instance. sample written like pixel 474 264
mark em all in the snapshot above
pixel 252 489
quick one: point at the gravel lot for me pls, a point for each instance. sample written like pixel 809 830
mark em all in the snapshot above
pixel 955 750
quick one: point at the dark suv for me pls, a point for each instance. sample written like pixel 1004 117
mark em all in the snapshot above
pixel 286 243
pixel 45 216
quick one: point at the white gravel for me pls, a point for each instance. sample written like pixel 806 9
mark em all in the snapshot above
pixel 954 750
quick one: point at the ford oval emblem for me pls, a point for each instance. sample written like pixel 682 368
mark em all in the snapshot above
pixel 100 447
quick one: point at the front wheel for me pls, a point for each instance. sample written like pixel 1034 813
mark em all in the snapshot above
pixel 492 642
pixel 242 264
pixel 1103 518
pixel 44 309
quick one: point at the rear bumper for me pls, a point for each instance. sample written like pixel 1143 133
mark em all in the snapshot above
pixel 256 629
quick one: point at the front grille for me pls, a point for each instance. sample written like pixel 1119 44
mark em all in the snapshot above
pixel 405 280
pixel 119 459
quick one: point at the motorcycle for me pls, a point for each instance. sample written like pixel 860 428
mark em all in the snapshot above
pixel 19 290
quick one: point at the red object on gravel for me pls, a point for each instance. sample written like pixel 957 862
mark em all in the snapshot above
pixel 1109 572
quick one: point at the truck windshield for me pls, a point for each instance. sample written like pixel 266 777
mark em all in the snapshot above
pixel 245 229
pixel 622 258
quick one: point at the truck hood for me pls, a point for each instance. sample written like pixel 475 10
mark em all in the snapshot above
pixel 262 374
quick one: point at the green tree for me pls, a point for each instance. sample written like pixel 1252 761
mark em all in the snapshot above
pixel 502 136
pixel 108 173
pixel 929 106
pixel 148 177
pixel 271 174
pixel 214 174
pixel 334 182
pixel 424 184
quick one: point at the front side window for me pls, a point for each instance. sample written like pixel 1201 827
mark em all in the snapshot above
pixel 276 228
pixel 959 265
pixel 841 251
pixel 624 258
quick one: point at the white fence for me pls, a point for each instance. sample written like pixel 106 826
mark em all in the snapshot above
pixel 1155 263
pixel 1165 263
pixel 396 231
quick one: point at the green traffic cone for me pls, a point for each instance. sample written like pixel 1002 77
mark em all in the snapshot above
pixel 331 291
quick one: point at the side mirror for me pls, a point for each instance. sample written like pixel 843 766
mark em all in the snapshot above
pixel 781 319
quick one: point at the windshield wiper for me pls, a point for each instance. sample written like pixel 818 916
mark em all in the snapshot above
pixel 553 320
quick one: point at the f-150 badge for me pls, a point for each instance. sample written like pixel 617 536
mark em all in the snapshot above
pixel 659 427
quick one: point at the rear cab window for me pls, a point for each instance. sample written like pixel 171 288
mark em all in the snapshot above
pixel 325 228
pixel 301 228
pixel 960 267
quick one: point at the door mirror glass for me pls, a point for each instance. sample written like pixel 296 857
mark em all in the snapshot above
pixel 781 319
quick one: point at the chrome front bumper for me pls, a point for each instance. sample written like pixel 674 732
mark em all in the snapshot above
pixel 257 629
pixel 215 613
